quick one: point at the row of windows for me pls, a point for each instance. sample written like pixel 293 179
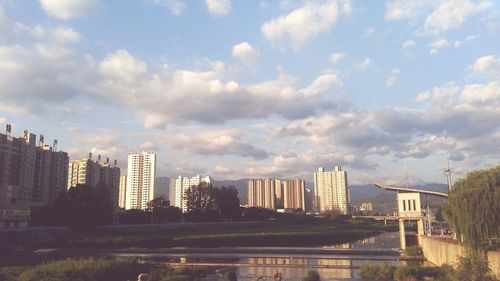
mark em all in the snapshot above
pixel 410 205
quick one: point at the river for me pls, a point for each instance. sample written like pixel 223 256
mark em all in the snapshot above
pixel 293 267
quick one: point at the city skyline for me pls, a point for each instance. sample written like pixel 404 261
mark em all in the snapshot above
pixel 302 84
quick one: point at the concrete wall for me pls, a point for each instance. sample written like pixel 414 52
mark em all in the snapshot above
pixel 441 250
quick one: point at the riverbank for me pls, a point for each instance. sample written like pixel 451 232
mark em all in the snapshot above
pixel 238 234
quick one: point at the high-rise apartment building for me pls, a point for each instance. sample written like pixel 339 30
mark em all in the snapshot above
pixel 141 175
pixel 331 191
pixel 276 193
pixel 95 174
pixel 179 186
pixel 122 190
pixel 31 174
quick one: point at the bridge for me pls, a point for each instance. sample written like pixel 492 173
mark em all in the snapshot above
pixel 378 218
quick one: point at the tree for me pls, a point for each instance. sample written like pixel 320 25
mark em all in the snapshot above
pixel 227 202
pixel 162 212
pixel 473 208
pixel 88 207
pixel 201 204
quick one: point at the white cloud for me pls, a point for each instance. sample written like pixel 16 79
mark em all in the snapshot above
pixel 66 35
pixel 321 85
pixel 222 170
pixel 408 45
pixel 302 23
pixel 369 32
pixel 216 142
pixel 440 95
pixel 477 94
pixel 451 14
pixel 246 53
pixel 336 57
pixel 435 46
pixel 365 63
pixel 440 15
pixel 393 76
pixel 219 7
pixel 487 65
pixel 403 9
pixel 69 9
pixel 121 65
pixel 43 74
pixel 176 7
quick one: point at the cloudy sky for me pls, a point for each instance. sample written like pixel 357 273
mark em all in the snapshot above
pixel 238 88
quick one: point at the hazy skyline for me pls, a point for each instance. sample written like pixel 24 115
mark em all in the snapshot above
pixel 237 89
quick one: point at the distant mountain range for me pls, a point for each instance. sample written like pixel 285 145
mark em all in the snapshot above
pixel 383 201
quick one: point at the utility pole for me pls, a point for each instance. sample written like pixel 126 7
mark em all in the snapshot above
pixel 447 172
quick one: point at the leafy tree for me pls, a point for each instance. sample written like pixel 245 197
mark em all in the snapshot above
pixel 162 212
pixel 473 208
pixel 134 216
pixel 227 202
pixel 201 204
pixel 312 276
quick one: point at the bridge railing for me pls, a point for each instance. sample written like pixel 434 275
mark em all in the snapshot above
pixel 411 214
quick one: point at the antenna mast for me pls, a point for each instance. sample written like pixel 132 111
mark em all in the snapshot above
pixel 406 176
pixel 447 172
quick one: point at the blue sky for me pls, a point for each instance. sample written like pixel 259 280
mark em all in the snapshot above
pixel 240 88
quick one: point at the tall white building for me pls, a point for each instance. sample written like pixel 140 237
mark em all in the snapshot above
pixel 331 191
pixel 122 192
pixel 179 186
pixel 141 174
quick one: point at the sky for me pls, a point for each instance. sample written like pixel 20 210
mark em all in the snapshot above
pixel 237 88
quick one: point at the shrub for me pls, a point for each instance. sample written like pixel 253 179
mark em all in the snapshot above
pixel 231 276
pixel 474 267
pixel 312 276
pixel 88 269
pixel 405 273
pixel 413 251
pixel 377 272
pixel 181 277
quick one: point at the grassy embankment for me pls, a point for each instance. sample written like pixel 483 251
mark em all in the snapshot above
pixel 199 235
pixel 99 269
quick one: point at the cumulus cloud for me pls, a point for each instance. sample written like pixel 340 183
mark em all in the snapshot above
pixel 211 96
pixel 222 171
pixel 176 7
pixel 218 8
pixel 336 57
pixel 408 45
pixel 393 76
pixel 69 9
pixel 451 14
pixel 365 64
pixel 303 23
pixel 440 16
pixel 437 45
pixel 487 65
pixel 456 125
pixel 43 74
pixel 246 53
pixel 219 142
pixel 65 35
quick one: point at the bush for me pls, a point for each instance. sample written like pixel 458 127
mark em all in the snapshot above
pixel 413 251
pixel 377 272
pixel 312 276
pixel 88 269
pixel 231 276
pixel 473 267
pixel 181 277
pixel 405 273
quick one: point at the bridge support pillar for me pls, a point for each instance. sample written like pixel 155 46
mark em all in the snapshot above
pixel 420 231
pixel 402 235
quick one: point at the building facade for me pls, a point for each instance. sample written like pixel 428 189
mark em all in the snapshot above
pixel 179 186
pixel 141 175
pixel 331 190
pixel 122 191
pixel 95 174
pixel 31 174
pixel 276 193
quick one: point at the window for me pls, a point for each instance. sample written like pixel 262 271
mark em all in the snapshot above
pixel 404 205
pixel 414 205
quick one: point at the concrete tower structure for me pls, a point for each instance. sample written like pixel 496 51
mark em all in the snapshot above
pixel 331 190
pixel 141 174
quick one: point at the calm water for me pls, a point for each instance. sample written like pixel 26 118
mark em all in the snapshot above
pixel 295 267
